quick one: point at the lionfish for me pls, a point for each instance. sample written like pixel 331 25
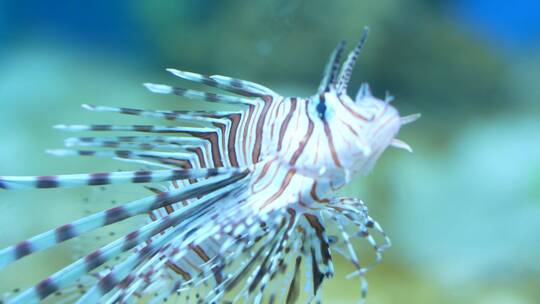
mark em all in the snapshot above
pixel 244 203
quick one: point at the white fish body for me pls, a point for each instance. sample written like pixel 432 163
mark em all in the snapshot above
pixel 248 198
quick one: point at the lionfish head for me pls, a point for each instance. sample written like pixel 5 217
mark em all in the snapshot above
pixel 373 123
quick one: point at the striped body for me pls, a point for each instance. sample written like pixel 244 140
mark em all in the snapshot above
pixel 240 201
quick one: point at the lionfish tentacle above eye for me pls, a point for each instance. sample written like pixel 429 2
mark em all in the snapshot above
pixel 331 69
pixel 348 66
pixel 242 200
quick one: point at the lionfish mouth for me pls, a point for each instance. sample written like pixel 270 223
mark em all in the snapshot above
pixel 405 120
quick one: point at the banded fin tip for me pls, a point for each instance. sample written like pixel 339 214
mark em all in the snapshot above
pixel 61 152
pixel 88 107
pixel 70 127
pixel 396 143
pixel 183 74
pixel 70 141
pixel 410 118
pixel 175 72
pixel 96 108
pixel 158 88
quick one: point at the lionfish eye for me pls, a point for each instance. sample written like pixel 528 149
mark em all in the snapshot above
pixel 321 108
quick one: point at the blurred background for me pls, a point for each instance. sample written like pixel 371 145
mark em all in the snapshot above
pixel 463 211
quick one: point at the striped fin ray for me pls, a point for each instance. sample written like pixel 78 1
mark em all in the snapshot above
pixel 238 86
pixel 107 178
pixel 318 247
pixel 284 276
pixel 210 135
pixel 348 66
pixel 111 143
pixel 215 136
pixel 262 277
pixel 265 263
pixel 146 150
pixel 331 69
pixel 103 141
pixel 70 273
pixel 170 158
pixel 356 213
pixel 256 255
pixel 351 255
pixel 68 231
pixel 134 128
pixel 122 270
pixel 291 252
pixel 293 290
pixel 235 138
pixel 234 235
pixel 260 271
pixel 221 125
pixel 318 237
pixel 127 148
pixel 191 232
pixel 200 231
pixel 354 223
pixel 197 95
pixel 151 269
pixel 240 240
pixel 168 115
pixel 267 289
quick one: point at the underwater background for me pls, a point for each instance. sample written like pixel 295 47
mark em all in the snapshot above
pixel 463 211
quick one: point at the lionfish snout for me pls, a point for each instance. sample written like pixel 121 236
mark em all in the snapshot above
pixel 381 123
pixel 378 123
